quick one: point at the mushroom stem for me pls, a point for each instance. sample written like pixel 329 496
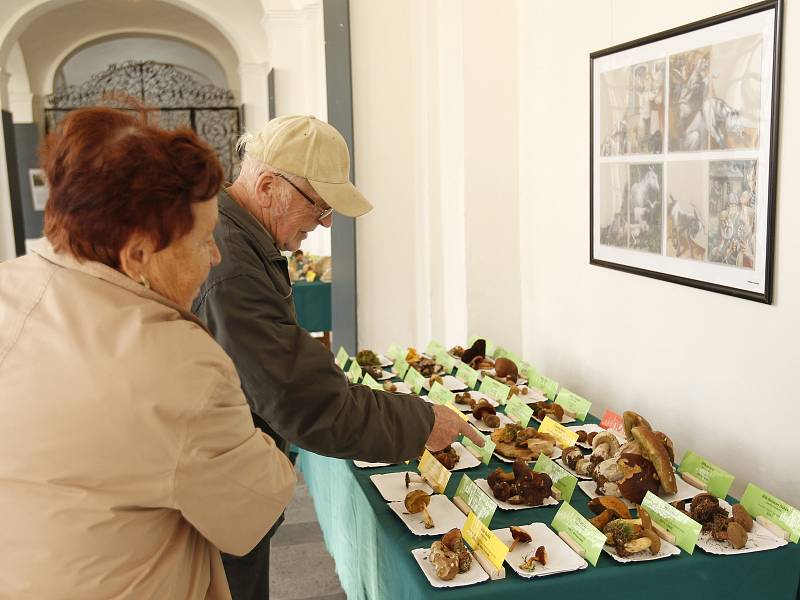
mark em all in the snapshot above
pixel 426 519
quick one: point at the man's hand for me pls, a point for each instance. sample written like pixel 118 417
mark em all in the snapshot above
pixel 447 427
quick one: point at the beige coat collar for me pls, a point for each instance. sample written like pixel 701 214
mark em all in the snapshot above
pixel 44 249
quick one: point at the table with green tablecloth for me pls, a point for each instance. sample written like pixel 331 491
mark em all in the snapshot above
pixel 372 550
pixel 312 301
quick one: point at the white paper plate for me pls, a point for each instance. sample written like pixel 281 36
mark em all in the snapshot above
pixel 685 491
pixel 392 486
pixel 589 428
pixel 448 381
pixel 533 395
pixel 556 454
pixel 386 362
pixel 504 420
pixel 402 388
pixel 572 472
pixel 444 513
pixel 666 550
pixel 368 465
pixel 560 557
pixel 484 485
pixel 758 539
pixel 476 574
pixel 564 419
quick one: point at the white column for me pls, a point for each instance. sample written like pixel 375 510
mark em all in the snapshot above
pixel 255 94
pixel 7 250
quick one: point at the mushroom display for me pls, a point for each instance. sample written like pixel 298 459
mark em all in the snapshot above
pixel 389 386
pixel 520 536
pixel 529 560
pixel 630 536
pixel 513 441
pixel 477 350
pixel 417 502
pixel 544 409
pixel 522 486
pixel 449 556
pixel 426 366
pixel 706 510
pixel 410 478
pixel 483 411
pixel 607 509
pixel 448 457
pixel 367 358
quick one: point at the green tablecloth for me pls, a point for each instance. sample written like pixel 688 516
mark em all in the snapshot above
pixel 372 550
pixel 312 301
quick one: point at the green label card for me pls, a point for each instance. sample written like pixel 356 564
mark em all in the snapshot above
pixel 342 357
pixel 491 349
pixel 485 453
pixel 441 395
pixel 495 389
pixel 717 480
pixel 400 367
pixel 547 385
pixel 415 380
pixel 562 480
pixel 476 500
pixel 369 381
pixel 433 348
pixel 527 370
pixel 500 352
pixel 355 371
pixel 396 352
pixel 573 403
pixel 467 374
pixel 759 503
pixel 518 411
pixel 587 536
pixel 446 360
pixel 685 529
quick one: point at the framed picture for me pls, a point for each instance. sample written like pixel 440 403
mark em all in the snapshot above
pixel 39 189
pixel 684 134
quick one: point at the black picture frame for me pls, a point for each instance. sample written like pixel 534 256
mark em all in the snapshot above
pixel 694 127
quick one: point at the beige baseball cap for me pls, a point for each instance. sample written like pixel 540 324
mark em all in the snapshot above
pixel 307 147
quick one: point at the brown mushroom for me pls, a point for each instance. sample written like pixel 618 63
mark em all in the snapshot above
pixel 482 409
pixel 607 508
pixel 520 536
pixel 506 368
pixel 478 349
pixel 742 517
pixel 630 420
pixel 417 502
pixel 499 475
pixel 639 476
pixel 540 555
pixel 737 536
pixel 654 451
pixel 444 561
pixel 413 479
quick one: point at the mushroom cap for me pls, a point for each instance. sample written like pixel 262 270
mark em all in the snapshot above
pixel 615 505
pixel 452 538
pixel 505 367
pixel 630 420
pixel 737 536
pixel 416 501
pixel 639 476
pixel 478 348
pixel 664 439
pixel 742 517
pixel 520 535
pixel 703 508
pixel 654 451
pixel 483 409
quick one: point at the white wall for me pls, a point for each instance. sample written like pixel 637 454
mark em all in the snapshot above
pixel 712 371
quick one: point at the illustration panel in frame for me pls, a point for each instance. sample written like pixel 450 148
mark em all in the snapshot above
pixel 693 114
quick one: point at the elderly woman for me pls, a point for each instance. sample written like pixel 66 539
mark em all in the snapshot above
pixel 128 456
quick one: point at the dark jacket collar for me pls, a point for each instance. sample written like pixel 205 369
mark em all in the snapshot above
pixel 243 219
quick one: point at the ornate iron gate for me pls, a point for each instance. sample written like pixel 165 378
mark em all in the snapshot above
pixel 175 97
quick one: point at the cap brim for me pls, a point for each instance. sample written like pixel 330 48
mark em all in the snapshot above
pixel 344 198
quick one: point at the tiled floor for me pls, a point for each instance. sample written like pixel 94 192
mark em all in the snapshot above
pixel 296 546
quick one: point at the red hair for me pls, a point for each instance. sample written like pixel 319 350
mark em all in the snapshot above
pixel 111 174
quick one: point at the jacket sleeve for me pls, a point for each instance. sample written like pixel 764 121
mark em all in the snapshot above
pixel 231 482
pixel 292 382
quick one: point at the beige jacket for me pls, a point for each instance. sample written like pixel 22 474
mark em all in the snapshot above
pixel 128 455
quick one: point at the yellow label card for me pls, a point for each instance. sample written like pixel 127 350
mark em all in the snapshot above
pixel 480 537
pixel 564 437
pixel 434 472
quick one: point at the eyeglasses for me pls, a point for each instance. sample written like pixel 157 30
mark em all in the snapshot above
pixel 323 214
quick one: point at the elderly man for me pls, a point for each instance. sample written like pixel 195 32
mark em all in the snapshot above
pixel 294 175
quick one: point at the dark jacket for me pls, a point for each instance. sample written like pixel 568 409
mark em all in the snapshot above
pixel 294 388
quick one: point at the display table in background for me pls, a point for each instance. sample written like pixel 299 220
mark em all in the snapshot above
pixel 372 550
pixel 312 301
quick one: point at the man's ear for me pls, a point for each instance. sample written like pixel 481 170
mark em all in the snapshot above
pixel 263 189
pixel 136 254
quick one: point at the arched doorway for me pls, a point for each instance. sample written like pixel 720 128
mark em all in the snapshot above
pixel 173 95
